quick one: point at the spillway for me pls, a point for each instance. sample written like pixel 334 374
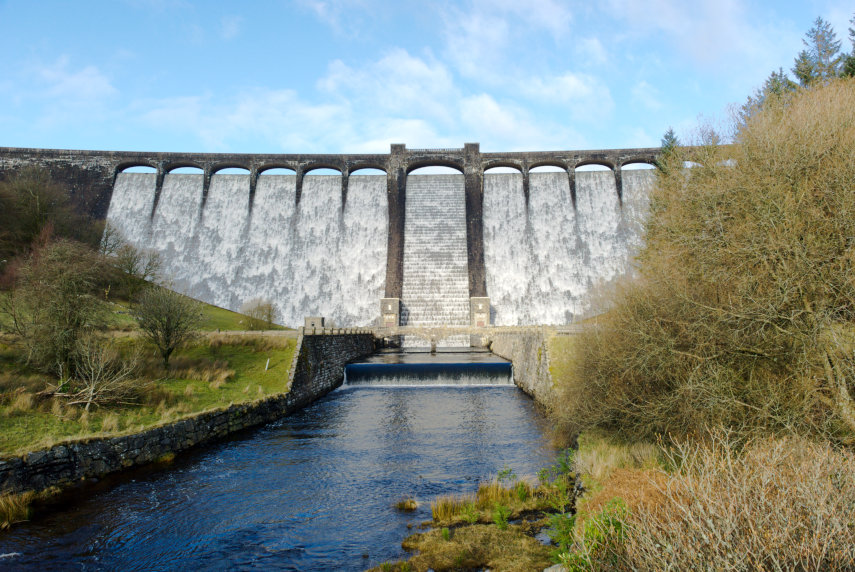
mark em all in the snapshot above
pixel 436 273
pixel 548 261
pixel 451 367
pixel 317 258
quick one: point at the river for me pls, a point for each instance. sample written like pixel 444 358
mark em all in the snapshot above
pixel 314 491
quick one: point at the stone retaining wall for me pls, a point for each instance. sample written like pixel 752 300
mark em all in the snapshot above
pixel 318 368
pixel 527 348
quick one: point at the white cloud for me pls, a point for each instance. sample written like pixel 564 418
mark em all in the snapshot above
pixel 73 86
pixel 593 51
pixel 582 96
pixel 398 84
pixel 230 27
pixel 646 95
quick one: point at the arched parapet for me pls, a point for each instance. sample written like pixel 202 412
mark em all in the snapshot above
pixel 495 163
pixel 639 161
pixel 360 165
pixel 268 165
pixel 217 167
pixel 307 167
pixel 604 161
pixel 419 163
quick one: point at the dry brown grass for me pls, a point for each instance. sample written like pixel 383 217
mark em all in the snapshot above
pixel 17 507
pixel 772 504
pixel 21 402
pixel 745 307
pixel 476 547
pixel 110 423
pixel 258 343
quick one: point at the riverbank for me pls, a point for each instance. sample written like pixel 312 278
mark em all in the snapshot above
pixel 302 371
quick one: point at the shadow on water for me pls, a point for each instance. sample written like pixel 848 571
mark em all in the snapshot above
pixel 314 491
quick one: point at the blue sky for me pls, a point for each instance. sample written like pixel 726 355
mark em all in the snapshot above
pixel 330 76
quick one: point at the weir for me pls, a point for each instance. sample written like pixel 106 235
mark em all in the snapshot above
pixel 452 367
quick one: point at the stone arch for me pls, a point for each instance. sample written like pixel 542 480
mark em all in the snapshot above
pixel 270 166
pixel 223 166
pixel 515 165
pixel 457 166
pixel 610 165
pixel 170 167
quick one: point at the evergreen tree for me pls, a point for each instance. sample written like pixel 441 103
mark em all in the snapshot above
pixel 849 61
pixel 821 60
pixel 667 156
pixel 669 141
pixel 778 84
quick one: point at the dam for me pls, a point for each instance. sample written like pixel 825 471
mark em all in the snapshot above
pixel 477 248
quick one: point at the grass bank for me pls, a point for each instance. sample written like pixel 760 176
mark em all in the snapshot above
pixel 497 526
pixel 212 373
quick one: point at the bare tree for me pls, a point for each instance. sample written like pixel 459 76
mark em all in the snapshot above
pixel 136 266
pixel 261 313
pixel 101 375
pixel 167 319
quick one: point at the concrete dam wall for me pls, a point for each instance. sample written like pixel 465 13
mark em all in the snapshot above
pixel 544 264
pixel 476 248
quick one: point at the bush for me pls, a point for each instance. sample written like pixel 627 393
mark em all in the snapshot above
pixel 743 312
pixel 260 314
pixel 53 304
pixel 772 504
pixel 167 319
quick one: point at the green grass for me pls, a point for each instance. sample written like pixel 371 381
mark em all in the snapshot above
pixel 213 318
pixel 212 374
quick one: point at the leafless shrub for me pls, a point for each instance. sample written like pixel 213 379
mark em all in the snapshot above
pixel 743 313
pixel 102 375
pixel 260 313
pixel 772 504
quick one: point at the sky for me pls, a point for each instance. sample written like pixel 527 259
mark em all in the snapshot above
pixel 353 76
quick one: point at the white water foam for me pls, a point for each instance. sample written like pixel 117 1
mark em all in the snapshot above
pixel 545 266
pixel 315 260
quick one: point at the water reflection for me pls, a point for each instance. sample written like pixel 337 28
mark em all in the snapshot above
pixel 312 492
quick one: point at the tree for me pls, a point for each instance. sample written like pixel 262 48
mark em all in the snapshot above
pixel 821 60
pixel 30 202
pixel 260 313
pixel 52 304
pixel 167 319
pixel 776 86
pixel 101 375
pixel 849 61
pixel 137 266
pixel 670 143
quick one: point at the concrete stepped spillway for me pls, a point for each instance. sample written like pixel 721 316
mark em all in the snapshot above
pixel 546 259
pixel 436 275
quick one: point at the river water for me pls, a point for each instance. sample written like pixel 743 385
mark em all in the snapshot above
pixel 314 491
